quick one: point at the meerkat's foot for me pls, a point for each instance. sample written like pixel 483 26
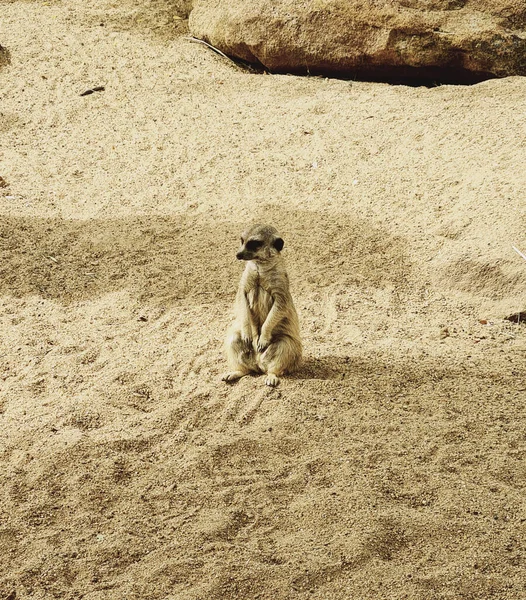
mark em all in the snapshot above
pixel 233 376
pixel 271 379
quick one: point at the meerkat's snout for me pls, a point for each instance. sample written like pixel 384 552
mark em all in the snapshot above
pixel 250 249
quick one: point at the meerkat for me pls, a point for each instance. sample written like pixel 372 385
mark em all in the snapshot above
pixel 265 336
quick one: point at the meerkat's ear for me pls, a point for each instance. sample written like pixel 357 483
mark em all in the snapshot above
pixel 278 244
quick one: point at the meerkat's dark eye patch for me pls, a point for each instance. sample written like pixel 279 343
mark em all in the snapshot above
pixel 254 245
pixel 278 244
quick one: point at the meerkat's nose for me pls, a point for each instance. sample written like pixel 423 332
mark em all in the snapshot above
pixel 239 256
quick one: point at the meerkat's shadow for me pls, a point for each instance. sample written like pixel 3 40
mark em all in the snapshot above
pixel 323 367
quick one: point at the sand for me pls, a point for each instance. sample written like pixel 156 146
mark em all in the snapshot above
pixel 392 465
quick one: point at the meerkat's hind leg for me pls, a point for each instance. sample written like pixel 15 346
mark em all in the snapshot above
pixel 281 356
pixel 240 356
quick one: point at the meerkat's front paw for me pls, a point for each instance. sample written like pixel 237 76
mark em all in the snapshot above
pixel 271 379
pixel 233 376
pixel 247 341
pixel 246 337
pixel 263 344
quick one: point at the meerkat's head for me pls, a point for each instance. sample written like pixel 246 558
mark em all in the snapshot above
pixel 260 243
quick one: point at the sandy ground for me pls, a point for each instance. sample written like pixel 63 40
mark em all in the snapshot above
pixel 392 465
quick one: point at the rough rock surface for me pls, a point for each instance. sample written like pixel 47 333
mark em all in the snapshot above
pixel 447 40
pixel 4 56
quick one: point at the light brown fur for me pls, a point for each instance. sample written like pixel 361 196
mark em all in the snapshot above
pixel 264 337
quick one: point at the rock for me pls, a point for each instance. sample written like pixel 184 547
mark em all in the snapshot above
pixel 457 41
pixel 5 57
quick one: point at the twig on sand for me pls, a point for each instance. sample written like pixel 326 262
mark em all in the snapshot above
pixel 99 88
pixel 216 50
pixel 519 252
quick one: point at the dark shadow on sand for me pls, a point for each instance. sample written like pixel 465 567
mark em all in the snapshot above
pixel 168 259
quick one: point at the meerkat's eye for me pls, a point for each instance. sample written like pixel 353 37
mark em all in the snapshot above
pixel 254 245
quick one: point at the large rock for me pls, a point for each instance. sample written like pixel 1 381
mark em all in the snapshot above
pixel 5 58
pixel 444 40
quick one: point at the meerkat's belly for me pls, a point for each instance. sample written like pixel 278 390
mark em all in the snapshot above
pixel 260 303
